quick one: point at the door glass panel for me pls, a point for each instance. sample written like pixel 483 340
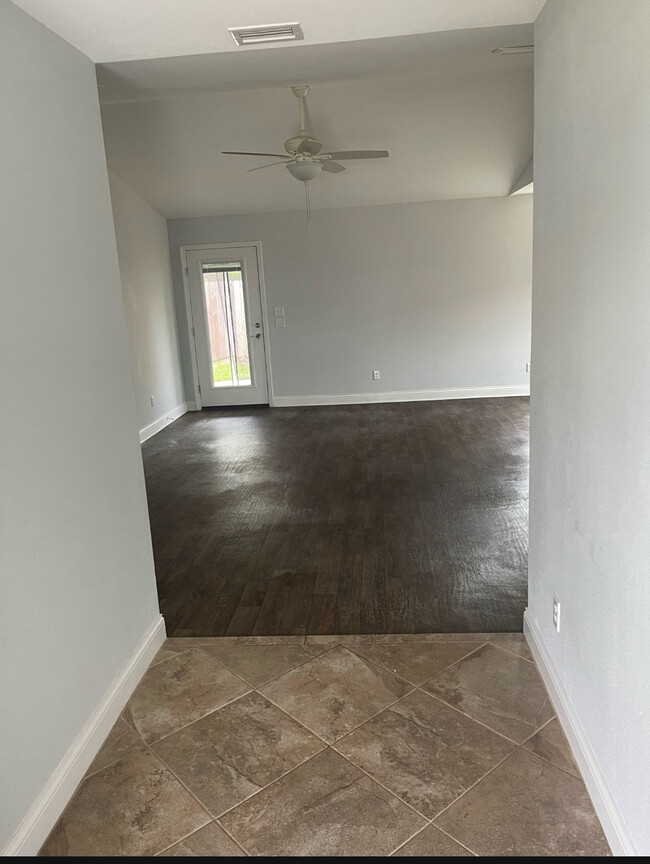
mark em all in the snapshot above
pixel 227 327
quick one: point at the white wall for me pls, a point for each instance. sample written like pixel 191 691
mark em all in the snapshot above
pixel 590 403
pixel 433 295
pixel 143 253
pixel 77 582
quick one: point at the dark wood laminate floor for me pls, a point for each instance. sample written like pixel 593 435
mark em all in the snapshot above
pixel 395 518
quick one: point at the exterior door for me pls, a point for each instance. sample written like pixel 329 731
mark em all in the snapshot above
pixel 228 331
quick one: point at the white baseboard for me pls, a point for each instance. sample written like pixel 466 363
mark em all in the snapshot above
pixel 605 806
pixel 161 422
pixel 191 406
pixel 401 396
pixel 32 832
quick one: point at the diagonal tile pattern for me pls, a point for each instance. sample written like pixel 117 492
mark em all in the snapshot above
pixel 335 692
pixel 528 807
pixel 325 807
pixel 496 688
pixel 122 741
pixel 425 752
pixel 415 662
pixel 259 664
pixel 550 744
pixel 438 745
pixel 208 842
pixel 229 755
pixel 431 842
pixel 179 691
pixel 135 807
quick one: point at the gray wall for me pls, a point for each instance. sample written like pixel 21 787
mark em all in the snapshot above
pixel 590 469
pixel 143 253
pixel 433 295
pixel 77 582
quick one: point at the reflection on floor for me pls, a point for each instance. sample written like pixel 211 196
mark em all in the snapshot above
pixel 430 745
pixel 386 518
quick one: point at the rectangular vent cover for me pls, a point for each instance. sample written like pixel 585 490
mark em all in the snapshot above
pixel 266 33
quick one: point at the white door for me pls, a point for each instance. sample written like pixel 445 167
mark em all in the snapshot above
pixel 227 325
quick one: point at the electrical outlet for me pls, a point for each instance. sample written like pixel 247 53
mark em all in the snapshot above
pixel 556 612
pixel 152 401
pixel 280 322
pixel 376 376
pixel 527 367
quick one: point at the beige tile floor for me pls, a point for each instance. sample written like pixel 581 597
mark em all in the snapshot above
pixel 385 745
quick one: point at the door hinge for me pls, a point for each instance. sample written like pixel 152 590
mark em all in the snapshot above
pixel 193 332
pixel 187 272
pixel 198 387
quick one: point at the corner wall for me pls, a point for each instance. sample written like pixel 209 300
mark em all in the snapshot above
pixel 76 568
pixel 590 402
pixel 435 296
pixel 143 252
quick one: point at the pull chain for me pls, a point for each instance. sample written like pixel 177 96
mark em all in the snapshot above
pixel 308 204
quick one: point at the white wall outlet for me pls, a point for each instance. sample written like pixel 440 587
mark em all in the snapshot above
pixel 527 367
pixel 556 612
pixel 376 376
pixel 152 401
pixel 280 322
pixel 278 311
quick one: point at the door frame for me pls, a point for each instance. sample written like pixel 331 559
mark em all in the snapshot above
pixel 257 244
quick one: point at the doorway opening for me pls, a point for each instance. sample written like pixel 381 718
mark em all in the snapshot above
pixel 226 315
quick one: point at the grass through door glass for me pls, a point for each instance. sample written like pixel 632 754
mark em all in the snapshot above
pixel 227 328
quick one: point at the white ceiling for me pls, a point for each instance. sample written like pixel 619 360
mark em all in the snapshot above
pixel 457 120
pixel 112 30
pixel 446 54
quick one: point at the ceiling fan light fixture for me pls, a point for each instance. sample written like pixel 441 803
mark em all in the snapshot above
pixel 304 171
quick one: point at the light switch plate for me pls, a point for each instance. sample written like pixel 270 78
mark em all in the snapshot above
pixel 279 311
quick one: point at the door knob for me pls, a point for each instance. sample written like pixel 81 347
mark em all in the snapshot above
pixel 258 335
pixel 257 324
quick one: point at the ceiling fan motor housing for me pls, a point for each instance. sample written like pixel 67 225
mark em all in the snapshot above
pixel 302 144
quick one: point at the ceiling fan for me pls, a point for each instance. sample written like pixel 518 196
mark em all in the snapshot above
pixel 305 159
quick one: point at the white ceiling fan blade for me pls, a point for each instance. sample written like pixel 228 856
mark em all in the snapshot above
pixel 332 167
pixel 269 165
pixel 310 146
pixel 359 154
pixel 247 153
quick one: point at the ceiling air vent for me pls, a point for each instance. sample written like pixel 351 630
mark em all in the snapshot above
pixel 266 33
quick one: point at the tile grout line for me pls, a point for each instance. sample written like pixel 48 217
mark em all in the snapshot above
pixel 191 834
pixel 203 716
pixel 535 731
pixel 512 653
pixel 194 798
pixel 264 683
pixel 435 674
pixel 495 638
pixel 330 743
pixel 408 840
pixel 469 717
pixel 577 776
pixel 386 789
pixel 469 789
pixel 261 789
pixel 229 702
pixel 447 834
